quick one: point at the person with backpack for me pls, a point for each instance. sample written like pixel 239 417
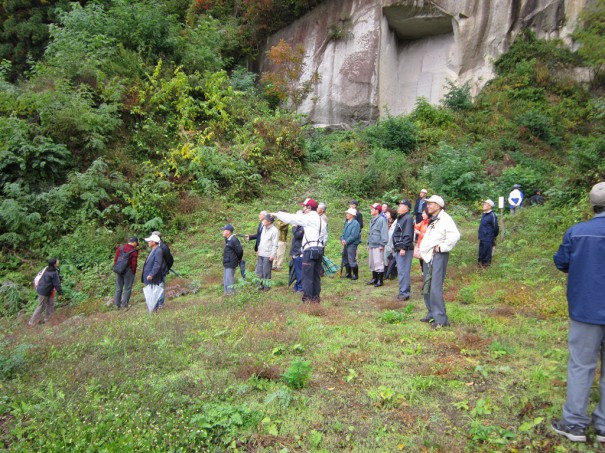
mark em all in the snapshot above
pixel 232 256
pixel 168 262
pixel 125 266
pixel 47 283
pixel 488 231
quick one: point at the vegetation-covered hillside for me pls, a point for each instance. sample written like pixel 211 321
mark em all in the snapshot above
pixel 122 117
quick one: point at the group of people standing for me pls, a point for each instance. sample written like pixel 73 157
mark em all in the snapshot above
pixel 395 237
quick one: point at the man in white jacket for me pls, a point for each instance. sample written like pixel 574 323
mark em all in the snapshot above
pixel 441 236
pixel 313 244
pixel 267 250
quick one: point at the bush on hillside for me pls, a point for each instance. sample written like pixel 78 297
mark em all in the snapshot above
pixel 396 133
pixel 457 98
pixel 456 173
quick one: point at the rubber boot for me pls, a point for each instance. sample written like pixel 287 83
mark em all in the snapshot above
pixel 379 279
pixel 374 278
pixel 348 275
pixel 355 275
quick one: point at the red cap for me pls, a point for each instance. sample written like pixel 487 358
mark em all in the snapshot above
pixel 310 202
pixel 376 206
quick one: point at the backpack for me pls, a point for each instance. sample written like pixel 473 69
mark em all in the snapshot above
pixel 167 256
pixel 38 278
pixel 122 261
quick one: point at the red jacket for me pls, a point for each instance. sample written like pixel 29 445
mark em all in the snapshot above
pixel 132 259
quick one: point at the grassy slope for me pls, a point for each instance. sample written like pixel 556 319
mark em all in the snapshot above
pixel 181 379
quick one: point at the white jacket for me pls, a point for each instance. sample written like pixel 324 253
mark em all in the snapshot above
pixel 441 232
pixel 316 231
pixel 267 246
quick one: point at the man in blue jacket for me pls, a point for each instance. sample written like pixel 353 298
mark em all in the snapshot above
pixel 488 230
pixel 582 257
pixel 153 269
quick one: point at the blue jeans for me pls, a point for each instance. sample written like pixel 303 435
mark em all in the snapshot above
pixel 298 273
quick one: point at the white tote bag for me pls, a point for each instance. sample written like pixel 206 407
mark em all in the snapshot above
pixel 152 293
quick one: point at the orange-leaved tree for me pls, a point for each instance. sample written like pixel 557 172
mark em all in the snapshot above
pixel 284 81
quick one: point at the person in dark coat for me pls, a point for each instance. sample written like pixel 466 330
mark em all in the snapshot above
pixel 488 231
pixel 259 231
pixel 403 248
pixel 298 233
pixel 419 205
pixel 353 205
pixel 232 255
pixel 581 256
pixel 124 281
pixel 48 285
pixel 537 198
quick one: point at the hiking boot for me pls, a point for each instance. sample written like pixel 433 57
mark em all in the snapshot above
pixel 402 298
pixel 427 319
pixel 572 432
pixel 374 278
pixel 600 435
pixel 348 274
pixel 437 325
pixel 355 272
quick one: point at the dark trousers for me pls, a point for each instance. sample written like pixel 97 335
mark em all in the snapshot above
pixel 349 255
pixel 485 252
pixel 298 273
pixel 124 283
pixel 311 278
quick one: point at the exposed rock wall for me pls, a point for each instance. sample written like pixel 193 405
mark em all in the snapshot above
pixel 392 51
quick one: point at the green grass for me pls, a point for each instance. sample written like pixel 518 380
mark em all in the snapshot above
pixel 207 372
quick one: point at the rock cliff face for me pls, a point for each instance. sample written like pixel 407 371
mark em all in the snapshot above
pixel 378 56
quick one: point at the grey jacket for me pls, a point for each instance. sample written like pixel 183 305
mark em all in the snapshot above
pixel 379 232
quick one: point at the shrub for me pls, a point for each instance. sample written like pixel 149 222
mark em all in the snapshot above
pixel 385 170
pixel 396 133
pixel 298 375
pixel 13 298
pixel 12 361
pixel 458 98
pixel 456 173
pixel 537 124
pixel 587 157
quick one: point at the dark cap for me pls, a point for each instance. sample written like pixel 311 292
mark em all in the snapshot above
pixel 52 261
pixel 408 203
pixel 133 239
pixel 355 202
pixel 227 227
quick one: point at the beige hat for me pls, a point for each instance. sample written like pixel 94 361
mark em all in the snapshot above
pixel 489 202
pixel 424 191
pixel 352 211
pixel 597 194
pixel 436 199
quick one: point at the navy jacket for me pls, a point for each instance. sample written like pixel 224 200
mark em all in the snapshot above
pixel 418 206
pixel 233 253
pixel 351 233
pixel 298 233
pixel 582 257
pixel 403 235
pixel 154 266
pixel 256 237
pixel 488 228
pixel 49 281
